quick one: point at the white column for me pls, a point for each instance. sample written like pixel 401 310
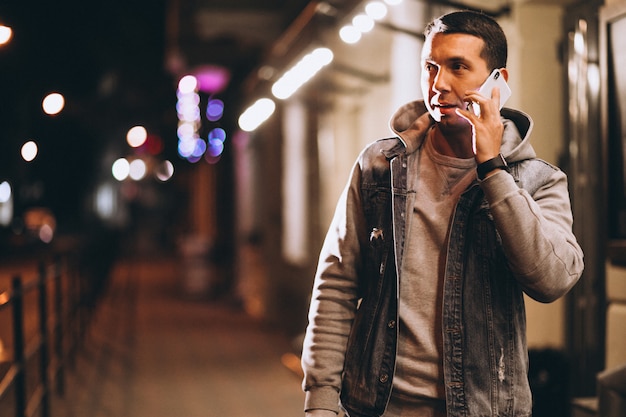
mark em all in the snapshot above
pixel 295 198
pixel 406 52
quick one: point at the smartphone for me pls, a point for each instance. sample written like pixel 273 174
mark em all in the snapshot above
pixel 495 79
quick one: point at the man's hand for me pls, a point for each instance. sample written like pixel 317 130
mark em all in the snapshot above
pixel 320 413
pixel 487 128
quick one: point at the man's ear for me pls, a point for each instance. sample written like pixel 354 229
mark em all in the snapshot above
pixel 505 73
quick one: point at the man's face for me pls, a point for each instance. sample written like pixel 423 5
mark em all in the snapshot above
pixel 451 65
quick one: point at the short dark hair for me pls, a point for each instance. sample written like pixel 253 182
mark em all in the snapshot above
pixel 477 24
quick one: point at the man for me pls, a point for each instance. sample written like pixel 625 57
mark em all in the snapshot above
pixel 417 307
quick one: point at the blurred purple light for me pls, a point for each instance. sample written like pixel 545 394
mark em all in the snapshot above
pixel 215 148
pixel 212 79
pixel 217 133
pixel 199 149
pixel 214 110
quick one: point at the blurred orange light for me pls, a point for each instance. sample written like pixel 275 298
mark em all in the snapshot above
pixel 6 33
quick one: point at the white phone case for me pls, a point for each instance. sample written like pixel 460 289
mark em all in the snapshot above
pixel 495 79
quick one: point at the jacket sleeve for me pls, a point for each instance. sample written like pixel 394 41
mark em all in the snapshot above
pixel 536 232
pixel 333 301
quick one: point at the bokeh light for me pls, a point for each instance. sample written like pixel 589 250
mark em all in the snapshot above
pixel 199 148
pixel 256 114
pixel 211 79
pixel 187 84
pixel 189 122
pixel 6 33
pixel 186 147
pixel 53 103
pixel 136 136
pixel 349 34
pixel 215 147
pixel 137 169
pixel 164 171
pixel 29 151
pixel 120 169
pixel 214 110
pixel 46 233
pixel 376 10
pixel 217 133
pixel 5 192
pixel 363 23
pixel 302 72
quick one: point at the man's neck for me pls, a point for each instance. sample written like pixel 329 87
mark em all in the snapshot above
pixel 457 144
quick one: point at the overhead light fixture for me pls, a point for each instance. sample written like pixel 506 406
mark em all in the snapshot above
pixel 376 10
pixel 363 23
pixel 350 34
pixel 302 72
pixel 256 114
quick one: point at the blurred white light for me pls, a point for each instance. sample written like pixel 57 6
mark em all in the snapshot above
pixel 363 23
pixel 5 192
pixel 53 103
pixel 137 169
pixel 5 34
pixel 393 2
pixel 6 204
pixel 105 201
pixel 376 10
pixel 593 77
pixel 189 114
pixel 120 169
pixel 349 34
pixel 256 114
pixel 189 118
pixel 29 151
pixel 136 136
pixel 187 103
pixel 186 147
pixel 189 96
pixel 164 171
pixel 46 233
pixel 186 130
pixel 188 84
pixel 301 72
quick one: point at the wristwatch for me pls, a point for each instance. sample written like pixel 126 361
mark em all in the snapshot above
pixel 486 167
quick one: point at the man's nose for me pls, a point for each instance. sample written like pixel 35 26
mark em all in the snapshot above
pixel 440 83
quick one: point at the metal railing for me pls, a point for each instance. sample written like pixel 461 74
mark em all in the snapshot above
pixel 47 324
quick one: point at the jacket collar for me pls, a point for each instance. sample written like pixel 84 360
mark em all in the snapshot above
pixel 411 123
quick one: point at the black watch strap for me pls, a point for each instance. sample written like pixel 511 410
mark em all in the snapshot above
pixel 486 167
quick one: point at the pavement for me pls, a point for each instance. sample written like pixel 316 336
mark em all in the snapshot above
pixel 151 350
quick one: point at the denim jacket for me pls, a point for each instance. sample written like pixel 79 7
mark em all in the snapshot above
pixel 510 234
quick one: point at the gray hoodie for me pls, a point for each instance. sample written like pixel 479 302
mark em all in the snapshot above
pixel 531 213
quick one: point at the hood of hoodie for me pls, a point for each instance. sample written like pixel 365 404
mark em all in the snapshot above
pixel 411 122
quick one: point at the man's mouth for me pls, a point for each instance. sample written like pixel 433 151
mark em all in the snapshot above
pixel 445 108
pixel 445 105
